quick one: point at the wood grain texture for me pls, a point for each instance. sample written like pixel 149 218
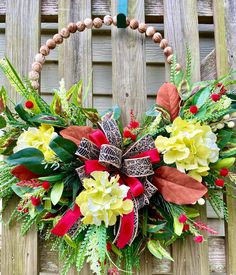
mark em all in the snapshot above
pixel 75 54
pixel 208 66
pixel 181 30
pixel 128 64
pixel 224 20
pixel 20 254
pixel 102 7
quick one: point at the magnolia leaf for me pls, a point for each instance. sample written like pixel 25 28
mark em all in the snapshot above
pixel 20 191
pixel 76 133
pixel 23 173
pixel 152 246
pixel 64 148
pixel 168 98
pixel 201 96
pixel 178 227
pixel 56 192
pixel 170 182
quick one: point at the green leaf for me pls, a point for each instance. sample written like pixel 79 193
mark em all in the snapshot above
pixel 56 107
pixel 201 96
pixel 49 119
pixel 75 94
pixel 115 111
pixel 23 114
pixel 69 241
pixel 178 227
pixel 224 163
pixel 228 153
pixel 56 192
pixel 52 178
pixel 191 212
pixel 152 228
pixel 64 148
pixel 165 254
pixel 31 158
pixel 152 246
pixel 3 99
pixel 3 122
pixel 224 137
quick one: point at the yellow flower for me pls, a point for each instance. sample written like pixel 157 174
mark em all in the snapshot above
pixel 191 146
pixel 103 199
pixel 38 138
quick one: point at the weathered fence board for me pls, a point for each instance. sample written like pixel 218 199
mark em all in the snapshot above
pixel 19 255
pixel 224 19
pixel 181 29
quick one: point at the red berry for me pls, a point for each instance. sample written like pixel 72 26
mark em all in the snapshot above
pixel 19 208
pixel 29 104
pixel 219 182
pixel 186 227
pixel 35 201
pixel 198 239
pixel 26 210
pixel 222 89
pixel 193 109
pixel 108 246
pixel 224 172
pixel 215 97
pixel 127 133
pixel 183 218
pixel 133 137
pixel 134 124
pixel 46 185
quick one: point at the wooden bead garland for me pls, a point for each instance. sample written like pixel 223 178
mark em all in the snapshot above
pixel 64 32
pixel 80 26
pixel 58 38
pixel 97 22
pixel 37 67
pixel 44 50
pixel 72 27
pixel 88 23
pixel 134 24
pixel 107 20
pixel 150 31
pixel 51 44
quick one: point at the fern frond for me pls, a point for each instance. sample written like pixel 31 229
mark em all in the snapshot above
pixel 69 261
pixel 13 77
pixel 173 70
pixel 28 222
pixel 102 240
pixel 188 65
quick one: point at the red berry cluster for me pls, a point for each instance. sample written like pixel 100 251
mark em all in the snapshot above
pixel 129 131
pixel 224 173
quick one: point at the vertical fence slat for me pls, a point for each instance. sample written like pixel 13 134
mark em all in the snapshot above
pixel 76 52
pixel 20 254
pixel 225 33
pixel 75 57
pixel 129 64
pixel 181 30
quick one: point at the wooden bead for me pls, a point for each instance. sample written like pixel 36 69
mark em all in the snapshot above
pixel 107 20
pixel 134 24
pixel 35 85
pixel 44 50
pixel 80 26
pixel 178 67
pixel 37 67
pixel 114 20
pixel 33 75
pixel 142 27
pixel 169 59
pixel 168 51
pixel 150 31
pixel 51 44
pixel 88 23
pixel 58 38
pixel 97 22
pixel 39 58
pixel 72 27
pixel 157 37
pixel 64 32
pixel 163 43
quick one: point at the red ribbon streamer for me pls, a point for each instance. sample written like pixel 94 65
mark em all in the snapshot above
pixel 98 138
pixel 67 221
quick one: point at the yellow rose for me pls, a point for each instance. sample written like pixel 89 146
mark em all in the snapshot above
pixel 191 146
pixel 103 199
pixel 38 138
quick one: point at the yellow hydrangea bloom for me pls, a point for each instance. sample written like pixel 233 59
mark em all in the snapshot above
pixel 38 138
pixel 103 199
pixel 191 146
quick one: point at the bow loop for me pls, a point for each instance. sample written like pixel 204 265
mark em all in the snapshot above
pixel 110 156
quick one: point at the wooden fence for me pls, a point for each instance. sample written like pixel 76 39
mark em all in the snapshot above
pixel 24 25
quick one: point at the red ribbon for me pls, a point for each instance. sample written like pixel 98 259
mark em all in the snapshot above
pixel 67 221
pixel 98 138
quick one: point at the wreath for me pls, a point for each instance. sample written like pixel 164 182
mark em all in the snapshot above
pixel 105 192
